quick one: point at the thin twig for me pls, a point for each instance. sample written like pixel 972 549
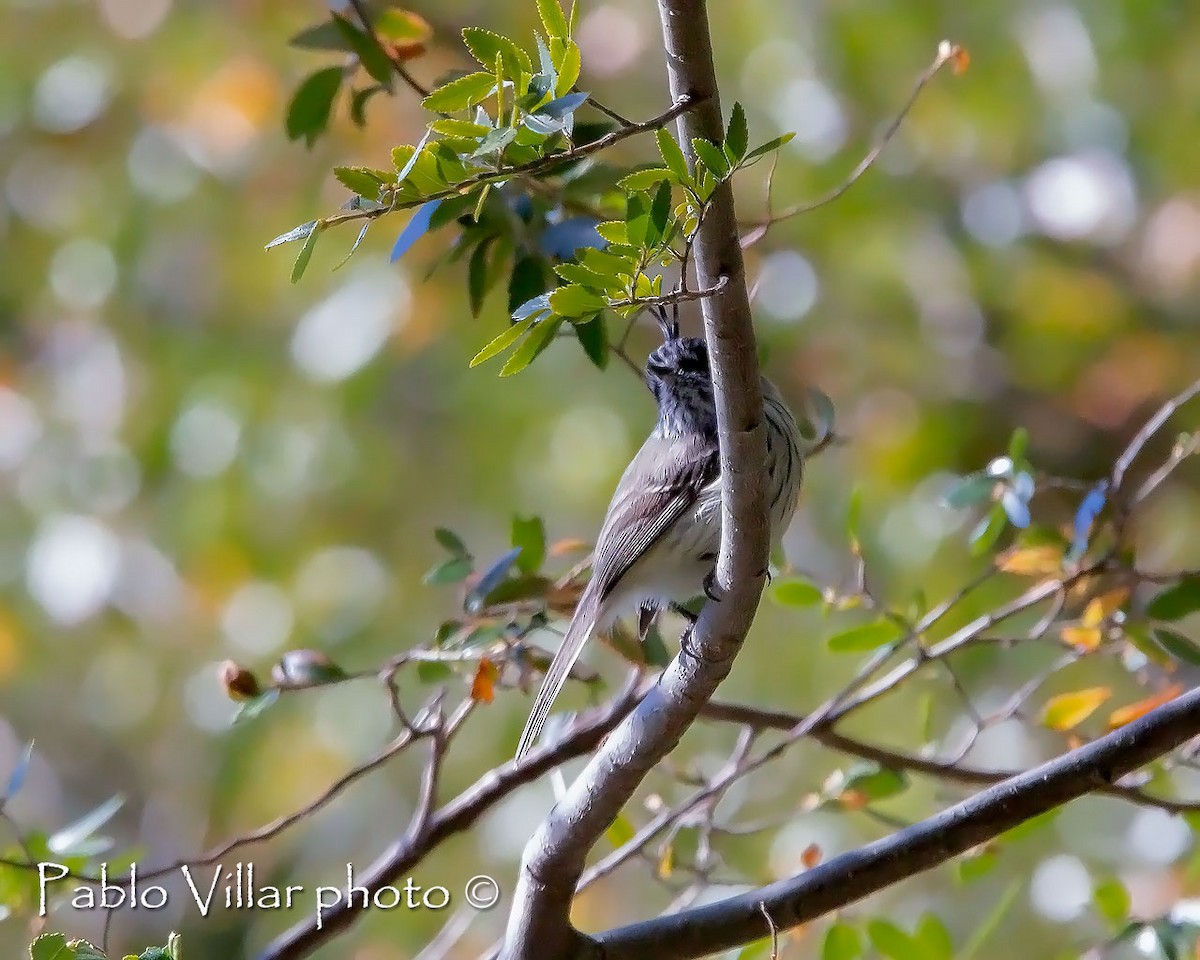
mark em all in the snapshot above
pixel 946 53
pixel 540 165
pixel 1144 435
pixel 677 296
pixel 419 89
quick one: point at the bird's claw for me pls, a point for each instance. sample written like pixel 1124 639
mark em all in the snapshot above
pixel 711 590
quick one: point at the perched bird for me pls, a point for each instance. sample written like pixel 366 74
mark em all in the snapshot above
pixel 662 531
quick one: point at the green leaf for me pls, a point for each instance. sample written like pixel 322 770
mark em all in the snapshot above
pixel 637 218
pixel 660 215
pixel 974 866
pixel 312 103
pixel 402 26
pixel 1018 444
pixel 463 129
pixel 970 490
pixel 504 341
pixel 712 157
pixel 768 147
pixel 370 54
pixel 477 275
pixel 614 231
pixel 568 69
pixel 485 46
pixel 537 341
pixel 737 137
pixel 578 273
pixel 797 592
pixel 933 939
pixel 527 280
pixel 853 517
pixel 296 233
pixel 256 705
pixel 1139 638
pixel 433 671
pixel 496 141
pixel 529 533
pixel 452 571
pixel 605 263
pixel 461 94
pixel 842 942
pixel 451 542
pixel 875 782
pixel 363 180
pixel 893 942
pixel 620 831
pixel 868 636
pixel 593 338
pixel 1176 602
pixel 358 103
pixel 654 649
pixel 988 531
pixel 1111 900
pixel 50 946
pixel 672 156
pixel 306 252
pixel 574 300
pixel 553 19
pixel 644 179
pixel 1177 645
pixel 322 36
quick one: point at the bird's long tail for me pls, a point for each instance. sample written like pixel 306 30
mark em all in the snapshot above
pixel 582 626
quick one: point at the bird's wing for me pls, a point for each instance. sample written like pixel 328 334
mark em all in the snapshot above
pixel 660 485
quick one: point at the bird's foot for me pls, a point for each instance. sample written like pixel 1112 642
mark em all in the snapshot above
pixel 711 589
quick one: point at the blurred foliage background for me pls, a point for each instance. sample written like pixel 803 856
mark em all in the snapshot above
pixel 200 461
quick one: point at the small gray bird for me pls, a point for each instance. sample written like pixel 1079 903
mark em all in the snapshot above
pixel 662 531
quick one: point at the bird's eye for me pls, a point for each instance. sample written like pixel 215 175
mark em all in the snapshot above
pixel 689 363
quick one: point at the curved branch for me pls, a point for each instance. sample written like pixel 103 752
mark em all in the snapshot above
pixel 539 926
pixel 457 815
pixel 899 760
pixel 911 850
pixel 682 105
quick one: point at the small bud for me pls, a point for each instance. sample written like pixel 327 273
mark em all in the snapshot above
pixel 306 668
pixel 239 683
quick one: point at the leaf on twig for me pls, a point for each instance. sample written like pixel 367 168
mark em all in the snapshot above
pixel 483 687
pixel 1039 561
pixel 1118 718
pixel 1082 638
pixel 1067 710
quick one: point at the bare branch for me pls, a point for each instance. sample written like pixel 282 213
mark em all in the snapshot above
pixel 539 925
pixel 910 850
pixel 1146 433
pixel 677 296
pixel 455 816
pixel 947 52
pixel 682 105
pixel 913 763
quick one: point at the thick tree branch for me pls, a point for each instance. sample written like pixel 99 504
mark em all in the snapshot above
pixel 539 926
pixel 850 877
pixel 453 817
pixel 948 770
